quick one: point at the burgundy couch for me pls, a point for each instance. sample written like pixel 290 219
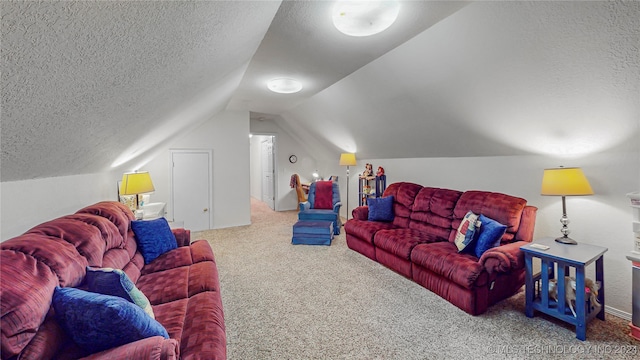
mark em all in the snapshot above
pixel 182 286
pixel 419 243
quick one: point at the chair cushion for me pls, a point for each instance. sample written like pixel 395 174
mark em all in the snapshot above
pixel 317 214
pixel 381 209
pixel 154 238
pixel 443 259
pixel 98 322
pixel 324 194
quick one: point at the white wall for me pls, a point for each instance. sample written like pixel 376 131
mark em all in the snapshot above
pixel 227 134
pixel 28 203
pixel 603 219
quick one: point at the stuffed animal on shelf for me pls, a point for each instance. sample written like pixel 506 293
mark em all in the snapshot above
pixel 368 172
pixel 380 171
pixel 590 288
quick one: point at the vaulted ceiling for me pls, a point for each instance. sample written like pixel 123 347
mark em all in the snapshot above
pixel 82 80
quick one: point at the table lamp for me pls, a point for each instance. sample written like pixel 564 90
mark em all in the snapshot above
pixel 347 159
pixel 136 183
pixel 565 182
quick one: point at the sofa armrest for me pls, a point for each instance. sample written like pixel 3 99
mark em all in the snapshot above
pixel 183 236
pixel 155 347
pixel 504 258
pixel 305 205
pixel 360 213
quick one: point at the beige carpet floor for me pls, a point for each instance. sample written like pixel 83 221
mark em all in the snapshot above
pixel 284 301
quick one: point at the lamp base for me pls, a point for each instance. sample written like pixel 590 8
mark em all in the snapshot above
pixel 566 240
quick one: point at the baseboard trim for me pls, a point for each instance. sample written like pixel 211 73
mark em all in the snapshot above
pixel 619 313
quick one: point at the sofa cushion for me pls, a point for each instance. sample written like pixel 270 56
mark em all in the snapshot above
pixel 196 252
pixel 119 214
pixel 115 282
pixel 444 259
pixel 466 233
pixel 489 235
pixel 505 209
pixel 404 194
pixel 26 286
pixel 400 242
pixel 179 283
pixel 365 230
pixel 154 238
pixel 380 209
pixel 433 210
pixel 98 322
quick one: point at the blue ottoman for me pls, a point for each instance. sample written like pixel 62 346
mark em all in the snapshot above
pixel 309 232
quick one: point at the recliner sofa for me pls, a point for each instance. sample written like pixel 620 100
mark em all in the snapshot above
pixel 419 242
pixel 182 286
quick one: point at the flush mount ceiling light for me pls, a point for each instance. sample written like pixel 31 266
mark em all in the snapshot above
pixel 284 85
pixel 364 17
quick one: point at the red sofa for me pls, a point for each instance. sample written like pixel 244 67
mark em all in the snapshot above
pixel 182 286
pixel 419 242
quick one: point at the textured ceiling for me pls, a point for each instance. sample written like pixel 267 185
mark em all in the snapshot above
pixel 83 81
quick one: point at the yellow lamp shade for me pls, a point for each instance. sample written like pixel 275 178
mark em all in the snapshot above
pixel 347 159
pixel 136 183
pixel 565 182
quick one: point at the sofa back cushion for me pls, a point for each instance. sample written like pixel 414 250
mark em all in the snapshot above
pixel 503 208
pixel 433 211
pixel 404 194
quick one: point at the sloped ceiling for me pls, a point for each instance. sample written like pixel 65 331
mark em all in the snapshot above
pixel 493 79
pixel 82 81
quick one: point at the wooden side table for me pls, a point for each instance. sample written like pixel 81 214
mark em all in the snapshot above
pixel 563 257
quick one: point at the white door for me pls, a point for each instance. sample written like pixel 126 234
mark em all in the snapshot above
pixel 191 188
pixel 267 172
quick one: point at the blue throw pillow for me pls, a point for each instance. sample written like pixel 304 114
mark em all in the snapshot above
pixel 115 282
pixel 381 209
pixel 154 238
pixel 490 234
pixel 99 322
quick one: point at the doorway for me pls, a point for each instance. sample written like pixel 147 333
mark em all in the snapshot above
pixel 191 188
pixel 263 169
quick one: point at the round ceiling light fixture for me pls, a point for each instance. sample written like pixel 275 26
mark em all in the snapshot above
pixel 364 17
pixel 284 85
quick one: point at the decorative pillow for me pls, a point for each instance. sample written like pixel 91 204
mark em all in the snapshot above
pixel 115 282
pixel 490 234
pixel 465 236
pixel 98 322
pixel 381 209
pixel 154 238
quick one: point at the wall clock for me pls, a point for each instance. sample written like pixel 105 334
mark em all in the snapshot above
pixel 293 159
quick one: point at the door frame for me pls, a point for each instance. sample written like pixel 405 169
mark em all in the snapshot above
pixel 275 165
pixel 184 151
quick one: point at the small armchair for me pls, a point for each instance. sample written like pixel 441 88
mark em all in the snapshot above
pixel 318 208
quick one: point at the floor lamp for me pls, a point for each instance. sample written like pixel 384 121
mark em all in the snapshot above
pixel 347 159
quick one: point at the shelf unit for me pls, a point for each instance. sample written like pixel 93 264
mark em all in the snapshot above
pixel 368 190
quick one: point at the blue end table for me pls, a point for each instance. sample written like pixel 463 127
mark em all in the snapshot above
pixel 563 257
